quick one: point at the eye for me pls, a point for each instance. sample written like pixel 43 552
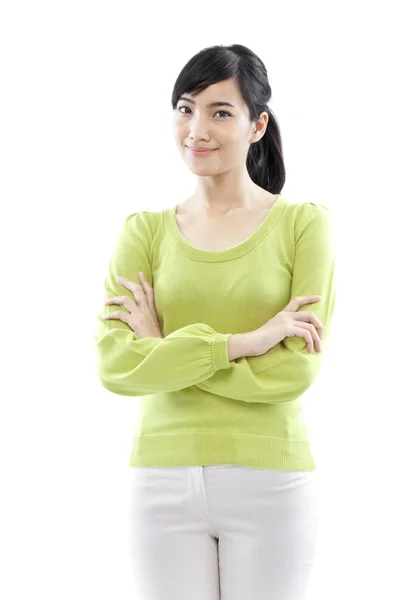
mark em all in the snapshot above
pixel 219 111
pixel 179 109
pixel 224 111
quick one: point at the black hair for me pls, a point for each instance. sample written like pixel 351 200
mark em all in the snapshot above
pixel 216 63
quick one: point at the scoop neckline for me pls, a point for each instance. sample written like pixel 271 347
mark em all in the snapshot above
pixel 260 233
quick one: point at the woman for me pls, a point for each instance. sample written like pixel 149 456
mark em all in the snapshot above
pixel 227 296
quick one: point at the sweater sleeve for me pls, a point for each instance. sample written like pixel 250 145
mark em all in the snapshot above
pixel 131 366
pixel 288 369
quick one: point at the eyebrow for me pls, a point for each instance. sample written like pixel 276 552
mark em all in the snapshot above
pixel 210 105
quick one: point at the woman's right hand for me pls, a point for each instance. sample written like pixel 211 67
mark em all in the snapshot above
pixel 289 323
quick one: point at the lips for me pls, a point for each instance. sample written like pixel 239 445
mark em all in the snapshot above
pixel 201 150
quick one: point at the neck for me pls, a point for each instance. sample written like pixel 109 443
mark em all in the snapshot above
pixel 226 192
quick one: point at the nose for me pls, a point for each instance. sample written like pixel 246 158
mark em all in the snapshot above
pixel 198 129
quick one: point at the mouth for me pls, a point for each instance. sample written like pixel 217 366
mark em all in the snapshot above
pixel 202 151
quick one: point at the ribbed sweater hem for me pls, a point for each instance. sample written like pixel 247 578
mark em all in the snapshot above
pixel 214 448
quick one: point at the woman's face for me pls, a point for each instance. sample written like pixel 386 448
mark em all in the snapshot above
pixel 225 129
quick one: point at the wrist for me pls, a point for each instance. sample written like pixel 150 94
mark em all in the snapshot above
pixel 239 345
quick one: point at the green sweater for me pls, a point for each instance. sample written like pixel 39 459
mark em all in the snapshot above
pixel 197 407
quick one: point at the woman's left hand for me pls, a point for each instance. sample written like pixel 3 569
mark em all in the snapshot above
pixel 142 315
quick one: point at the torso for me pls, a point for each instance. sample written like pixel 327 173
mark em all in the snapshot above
pixel 214 234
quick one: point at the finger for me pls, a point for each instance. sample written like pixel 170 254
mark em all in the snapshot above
pixel 148 290
pixel 120 314
pixel 306 334
pixel 143 291
pixel 149 293
pixel 313 332
pixel 126 282
pixel 306 316
pixel 143 280
pixel 115 300
pixel 124 300
pixel 135 288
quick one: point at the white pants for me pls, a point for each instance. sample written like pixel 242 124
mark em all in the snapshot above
pixel 222 532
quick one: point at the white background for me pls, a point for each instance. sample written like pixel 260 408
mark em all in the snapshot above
pixel 86 139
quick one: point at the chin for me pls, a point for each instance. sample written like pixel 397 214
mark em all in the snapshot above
pixel 205 172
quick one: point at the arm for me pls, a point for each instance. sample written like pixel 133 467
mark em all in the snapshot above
pixel 133 366
pixel 288 369
pixel 197 354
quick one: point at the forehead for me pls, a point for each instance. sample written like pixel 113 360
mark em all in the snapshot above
pixel 225 91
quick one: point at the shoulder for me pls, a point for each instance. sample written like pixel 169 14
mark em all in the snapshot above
pixel 311 219
pixel 315 225
pixel 309 210
pixel 306 213
pixel 143 222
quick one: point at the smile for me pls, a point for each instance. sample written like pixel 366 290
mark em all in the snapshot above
pixel 201 152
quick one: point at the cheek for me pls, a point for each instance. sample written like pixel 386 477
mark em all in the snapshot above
pixel 230 134
pixel 176 125
pixel 237 133
pixel 181 132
